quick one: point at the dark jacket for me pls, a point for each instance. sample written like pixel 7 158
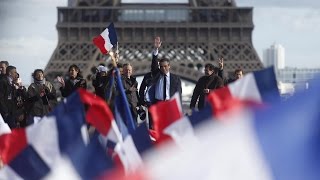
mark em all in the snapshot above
pixel 205 82
pixel 131 89
pixel 12 102
pixel 100 85
pixel 175 81
pixel 6 97
pixel 146 82
pixel 41 106
pixel 70 87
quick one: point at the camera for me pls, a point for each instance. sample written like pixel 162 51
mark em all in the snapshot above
pixel 142 113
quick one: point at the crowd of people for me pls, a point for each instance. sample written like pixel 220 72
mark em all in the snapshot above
pixel 20 105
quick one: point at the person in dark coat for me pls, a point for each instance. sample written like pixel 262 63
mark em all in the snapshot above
pixel 130 85
pixel 205 84
pixel 100 82
pixel 74 82
pixel 238 74
pixel 166 83
pixel 8 93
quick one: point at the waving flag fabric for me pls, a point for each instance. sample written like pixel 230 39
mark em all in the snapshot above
pixel 107 39
pixel 280 141
pixel 31 153
pixel 254 89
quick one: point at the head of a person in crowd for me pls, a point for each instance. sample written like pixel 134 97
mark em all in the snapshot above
pixel 164 65
pixel 102 70
pixel 238 73
pixel 209 69
pixel 120 67
pixel 38 75
pixel 11 72
pixel 3 66
pixel 74 71
pixel 127 70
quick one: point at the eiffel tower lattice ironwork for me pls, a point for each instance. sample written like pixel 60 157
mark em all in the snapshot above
pixel 193 34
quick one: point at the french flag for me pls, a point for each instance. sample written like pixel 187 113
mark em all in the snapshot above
pixel 280 141
pixel 32 152
pixel 254 89
pixel 107 39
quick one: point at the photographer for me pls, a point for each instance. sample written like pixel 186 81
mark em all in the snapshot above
pixel 42 95
pixel 20 98
pixel 100 82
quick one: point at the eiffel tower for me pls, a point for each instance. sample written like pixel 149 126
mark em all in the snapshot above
pixel 193 34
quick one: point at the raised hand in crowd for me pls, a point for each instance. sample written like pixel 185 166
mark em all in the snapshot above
pixel 61 81
pixel 157 42
pixel 220 63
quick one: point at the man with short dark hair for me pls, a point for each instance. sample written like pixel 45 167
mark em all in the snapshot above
pixel 238 74
pixel 3 67
pixel 7 103
pixel 166 83
pixel 205 84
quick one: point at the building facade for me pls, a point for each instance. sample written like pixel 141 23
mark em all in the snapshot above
pixel 193 34
pixel 274 56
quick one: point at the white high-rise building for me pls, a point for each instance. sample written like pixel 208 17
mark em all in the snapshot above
pixel 275 55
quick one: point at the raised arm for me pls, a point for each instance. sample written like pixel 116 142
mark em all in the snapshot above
pixel 154 63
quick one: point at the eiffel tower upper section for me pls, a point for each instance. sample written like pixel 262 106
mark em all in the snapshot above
pixel 193 34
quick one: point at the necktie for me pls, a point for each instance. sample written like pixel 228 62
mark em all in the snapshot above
pixel 164 87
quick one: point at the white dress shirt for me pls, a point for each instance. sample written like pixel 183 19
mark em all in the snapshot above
pixel 159 87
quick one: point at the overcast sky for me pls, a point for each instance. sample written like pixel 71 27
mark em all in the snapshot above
pixel 28 35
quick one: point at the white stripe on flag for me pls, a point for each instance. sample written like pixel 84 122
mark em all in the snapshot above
pixel 63 169
pixel 107 42
pixel 246 89
pixel 129 155
pixel 7 173
pixel 44 139
pixel 181 132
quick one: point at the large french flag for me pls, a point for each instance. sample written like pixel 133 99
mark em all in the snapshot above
pixel 254 89
pixel 107 39
pixel 280 141
pixel 32 152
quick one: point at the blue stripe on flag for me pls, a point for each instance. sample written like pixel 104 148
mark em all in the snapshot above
pixel 126 113
pixel 29 165
pixel 267 85
pixel 112 34
pixel 203 115
pixel 120 117
pixel 141 138
pixel 70 117
pixel 289 134
pixel 92 161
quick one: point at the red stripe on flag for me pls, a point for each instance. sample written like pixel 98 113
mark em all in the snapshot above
pixel 12 144
pixel 163 114
pixel 221 101
pixel 98 112
pixel 99 42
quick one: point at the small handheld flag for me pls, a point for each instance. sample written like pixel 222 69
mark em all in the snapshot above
pixel 106 40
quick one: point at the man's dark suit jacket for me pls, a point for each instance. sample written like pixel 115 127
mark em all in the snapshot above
pixel 6 105
pixel 175 81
